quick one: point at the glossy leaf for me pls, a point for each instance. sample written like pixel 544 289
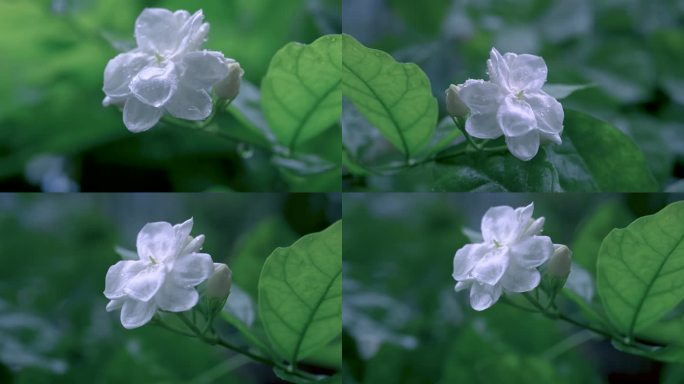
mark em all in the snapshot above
pixel 597 156
pixel 640 269
pixel 301 94
pixel 300 294
pixel 396 98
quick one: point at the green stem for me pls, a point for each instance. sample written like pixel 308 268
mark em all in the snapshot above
pixel 561 316
pixel 159 322
pixel 467 136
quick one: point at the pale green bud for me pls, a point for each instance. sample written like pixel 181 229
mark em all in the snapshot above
pixel 229 87
pixel 454 105
pixel 560 262
pixel 219 283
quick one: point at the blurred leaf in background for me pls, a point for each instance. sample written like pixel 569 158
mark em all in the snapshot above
pixel 52 58
pixel 56 249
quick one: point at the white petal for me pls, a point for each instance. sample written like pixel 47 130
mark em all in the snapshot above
pixel 525 213
pixel 550 138
pixel 118 275
pixel 461 285
pixel 491 268
pixel 534 228
pixel 157 240
pixel 135 313
pixel 192 269
pixel 481 96
pixel 193 33
pixel 518 279
pixel 146 283
pixel 193 245
pixel 500 224
pixel 173 298
pixel 515 117
pixel 467 257
pixel 526 72
pixel 138 116
pixel 155 85
pixel 483 296
pixel 182 231
pixel 121 70
pixel 483 126
pixel 190 104
pixel 158 30
pixel 497 68
pixel 203 69
pixel 532 252
pixel 117 101
pixel 115 304
pixel 524 147
pixel 548 112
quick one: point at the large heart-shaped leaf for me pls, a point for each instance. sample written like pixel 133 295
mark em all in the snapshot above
pixel 641 268
pixel 300 294
pixel 396 98
pixel 301 94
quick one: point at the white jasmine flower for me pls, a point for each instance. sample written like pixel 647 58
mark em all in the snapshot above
pixel 513 104
pixel 164 277
pixel 167 72
pixel 506 259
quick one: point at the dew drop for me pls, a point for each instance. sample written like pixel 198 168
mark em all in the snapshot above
pixel 246 151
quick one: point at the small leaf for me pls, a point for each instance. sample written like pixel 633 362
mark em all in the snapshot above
pixel 597 156
pixel 640 269
pixel 301 94
pixel 396 98
pixel 300 294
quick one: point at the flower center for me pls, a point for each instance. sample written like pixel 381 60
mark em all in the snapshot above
pixel 520 95
pixel 152 259
pixel 497 244
pixel 159 58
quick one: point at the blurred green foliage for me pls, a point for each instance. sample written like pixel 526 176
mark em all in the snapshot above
pixel 52 58
pixel 629 50
pixel 403 284
pixel 55 252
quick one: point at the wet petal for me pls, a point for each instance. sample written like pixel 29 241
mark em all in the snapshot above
pixel 481 96
pixel 203 69
pixel 158 30
pixel 121 70
pixel 483 296
pixel 135 313
pixel 193 33
pixel 497 69
pixel 190 104
pixel 155 85
pixel 467 257
pixel 515 117
pixel 547 111
pixel 524 147
pixel 138 116
pixel 526 72
pixel 115 304
pixel 483 126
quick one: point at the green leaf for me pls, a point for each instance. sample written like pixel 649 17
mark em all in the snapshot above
pixel 496 172
pixel 597 156
pixel 445 134
pixel 396 98
pixel 301 94
pixel 300 294
pixel 640 269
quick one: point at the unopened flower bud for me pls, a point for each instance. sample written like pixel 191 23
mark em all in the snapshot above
pixel 560 262
pixel 454 105
pixel 229 87
pixel 218 285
